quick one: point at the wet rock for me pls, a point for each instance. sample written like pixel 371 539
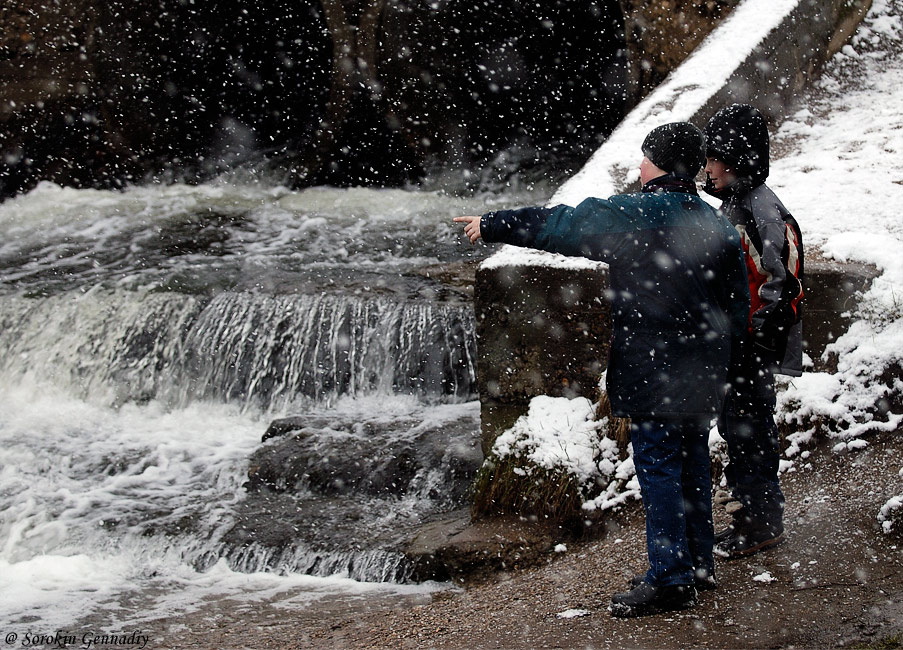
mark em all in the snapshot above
pixel 458 548
pixel 283 426
pixel 299 463
pixel 350 457
pixel 326 494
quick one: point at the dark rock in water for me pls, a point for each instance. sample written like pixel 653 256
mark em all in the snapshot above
pixel 298 463
pixel 365 460
pixel 322 535
pixel 281 528
pixel 283 426
pixel 326 496
pixel 331 458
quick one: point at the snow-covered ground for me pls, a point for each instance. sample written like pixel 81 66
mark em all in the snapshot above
pixel 839 168
pixel 842 173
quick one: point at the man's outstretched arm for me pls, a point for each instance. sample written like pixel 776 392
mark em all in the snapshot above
pixel 590 230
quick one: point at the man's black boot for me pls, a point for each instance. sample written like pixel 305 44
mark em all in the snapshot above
pixel 705 582
pixel 644 599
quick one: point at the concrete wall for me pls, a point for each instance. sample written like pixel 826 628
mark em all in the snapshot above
pixel 789 57
pixel 832 291
pixel 763 53
pixel 540 331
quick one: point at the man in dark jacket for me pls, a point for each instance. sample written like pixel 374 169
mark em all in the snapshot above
pixel 679 297
pixel 736 168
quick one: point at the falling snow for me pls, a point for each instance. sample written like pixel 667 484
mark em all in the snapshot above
pixel 841 174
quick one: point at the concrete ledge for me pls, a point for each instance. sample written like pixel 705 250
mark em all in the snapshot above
pixel 832 293
pixel 540 331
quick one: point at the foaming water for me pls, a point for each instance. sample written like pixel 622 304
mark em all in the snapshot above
pixel 82 485
pixel 267 352
pixel 148 338
pixel 219 235
pixel 102 504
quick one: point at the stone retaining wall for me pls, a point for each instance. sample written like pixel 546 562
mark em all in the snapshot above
pixel 540 331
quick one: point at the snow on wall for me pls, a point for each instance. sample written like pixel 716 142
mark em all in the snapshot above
pixel 685 92
pixel 615 165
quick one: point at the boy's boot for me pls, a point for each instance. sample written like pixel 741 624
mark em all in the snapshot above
pixel 749 539
pixel 739 519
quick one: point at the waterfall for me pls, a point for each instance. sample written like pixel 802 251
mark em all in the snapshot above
pixel 149 337
pixel 251 349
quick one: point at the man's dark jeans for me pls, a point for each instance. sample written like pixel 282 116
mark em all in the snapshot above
pixel 672 466
pixel 753 446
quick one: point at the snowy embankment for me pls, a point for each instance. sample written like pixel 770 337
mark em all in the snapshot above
pixel 842 170
pixel 615 165
pixel 839 168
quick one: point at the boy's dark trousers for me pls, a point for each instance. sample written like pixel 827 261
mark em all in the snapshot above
pixel 747 425
pixel 672 465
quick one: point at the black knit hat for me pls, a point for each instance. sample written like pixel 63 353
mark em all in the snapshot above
pixel 737 135
pixel 677 147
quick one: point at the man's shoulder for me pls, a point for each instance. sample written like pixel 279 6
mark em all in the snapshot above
pixel 665 199
pixel 654 210
pixel 636 205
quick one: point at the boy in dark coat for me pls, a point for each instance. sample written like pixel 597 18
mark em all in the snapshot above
pixel 736 168
pixel 679 299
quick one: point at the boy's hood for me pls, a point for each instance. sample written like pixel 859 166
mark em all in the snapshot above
pixel 738 136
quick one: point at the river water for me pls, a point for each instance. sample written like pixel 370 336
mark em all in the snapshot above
pixel 147 339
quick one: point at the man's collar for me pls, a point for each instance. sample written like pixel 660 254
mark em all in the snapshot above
pixel 671 183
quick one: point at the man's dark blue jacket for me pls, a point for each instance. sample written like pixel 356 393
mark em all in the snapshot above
pixel 678 289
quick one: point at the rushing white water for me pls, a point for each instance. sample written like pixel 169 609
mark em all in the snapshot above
pixel 250 349
pixel 147 339
pixel 98 503
pixel 224 235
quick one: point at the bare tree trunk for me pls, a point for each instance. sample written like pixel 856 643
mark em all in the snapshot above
pixel 343 74
pixel 367 37
pixel 368 49
pixel 355 63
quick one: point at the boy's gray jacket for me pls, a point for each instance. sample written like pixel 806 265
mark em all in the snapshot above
pixel 678 290
pixel 774 264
